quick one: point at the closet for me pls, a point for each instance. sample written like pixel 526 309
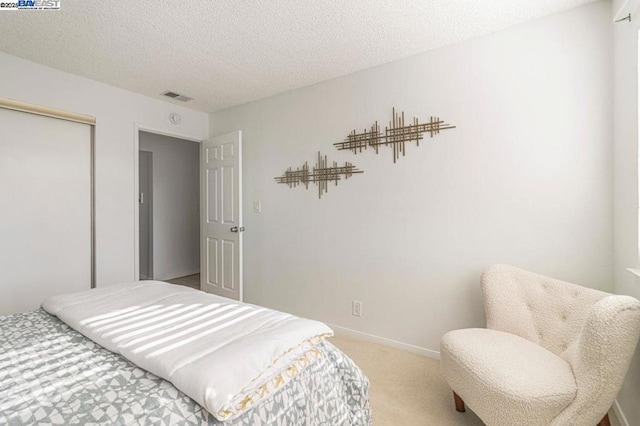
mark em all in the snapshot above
pixel 46 204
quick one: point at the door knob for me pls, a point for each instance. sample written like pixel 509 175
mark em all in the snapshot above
pixel 236 229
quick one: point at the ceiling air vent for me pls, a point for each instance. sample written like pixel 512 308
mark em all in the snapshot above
pixel 176 96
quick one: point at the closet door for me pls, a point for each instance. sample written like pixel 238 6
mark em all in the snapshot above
pixel 45 209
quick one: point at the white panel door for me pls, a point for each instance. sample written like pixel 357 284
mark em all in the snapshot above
pixel 45 209
pixel 221 215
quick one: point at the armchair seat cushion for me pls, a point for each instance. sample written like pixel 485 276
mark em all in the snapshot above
pixel 506 379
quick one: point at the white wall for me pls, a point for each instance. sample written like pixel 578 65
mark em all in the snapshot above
pixel 176 205
pixel 622 8
pixel 117 111
pixel 525 179
pixel 625 168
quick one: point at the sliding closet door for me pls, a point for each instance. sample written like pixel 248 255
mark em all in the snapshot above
pixel 45 208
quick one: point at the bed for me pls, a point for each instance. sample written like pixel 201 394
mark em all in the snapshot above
pixel 51 373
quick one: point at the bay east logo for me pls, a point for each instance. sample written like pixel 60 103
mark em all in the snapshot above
pixel 30 5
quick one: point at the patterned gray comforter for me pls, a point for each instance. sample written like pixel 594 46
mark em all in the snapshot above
pixel 51 374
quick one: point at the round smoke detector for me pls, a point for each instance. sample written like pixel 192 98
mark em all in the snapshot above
pixel 175 118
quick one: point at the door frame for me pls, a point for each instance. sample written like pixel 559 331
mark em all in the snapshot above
pixel 149 197
pixel 139 127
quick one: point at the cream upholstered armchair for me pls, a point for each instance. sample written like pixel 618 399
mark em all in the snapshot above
pixel 553 353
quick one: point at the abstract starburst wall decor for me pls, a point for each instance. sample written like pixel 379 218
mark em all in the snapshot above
pixel 321 174
pixel 396 135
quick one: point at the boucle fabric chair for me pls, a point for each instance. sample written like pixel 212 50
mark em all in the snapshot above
pixel 553 353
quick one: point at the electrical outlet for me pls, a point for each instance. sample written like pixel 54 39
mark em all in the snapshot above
pixel 257 206
pixel 356 308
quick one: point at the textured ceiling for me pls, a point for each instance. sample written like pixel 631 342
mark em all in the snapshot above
pixel 228 52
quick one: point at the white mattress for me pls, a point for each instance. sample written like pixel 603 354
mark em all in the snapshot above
pixel 224 354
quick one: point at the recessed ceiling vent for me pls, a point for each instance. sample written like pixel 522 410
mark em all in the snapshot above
pixel 177 96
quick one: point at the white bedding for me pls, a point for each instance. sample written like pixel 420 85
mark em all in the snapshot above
pixel 225 355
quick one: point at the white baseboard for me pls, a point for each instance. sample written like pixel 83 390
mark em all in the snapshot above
pixel 621 417
pixel 429 353
pixel 180 275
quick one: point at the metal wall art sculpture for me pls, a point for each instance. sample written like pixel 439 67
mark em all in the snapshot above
pixel 396 135
pixel 321 175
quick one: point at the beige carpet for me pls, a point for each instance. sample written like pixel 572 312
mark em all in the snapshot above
pixel 192 281
pixel 407 389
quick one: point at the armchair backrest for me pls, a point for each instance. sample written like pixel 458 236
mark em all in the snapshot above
pixel 544 310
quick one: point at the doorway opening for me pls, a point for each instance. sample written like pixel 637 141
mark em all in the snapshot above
pixel 168 209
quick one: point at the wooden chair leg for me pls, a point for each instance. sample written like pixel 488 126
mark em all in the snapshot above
pixel 460 405
pixel 605 421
